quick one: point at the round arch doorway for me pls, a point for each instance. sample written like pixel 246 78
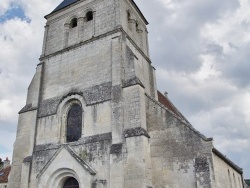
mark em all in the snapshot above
pixel 71 183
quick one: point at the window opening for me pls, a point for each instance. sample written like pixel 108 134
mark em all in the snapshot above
pixel 89 16
pixel 73 23
pixel 128 15
pixel 74 123
pixel 230 180
pixel 71 183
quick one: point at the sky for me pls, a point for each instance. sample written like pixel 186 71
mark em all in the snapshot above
pixel 200 49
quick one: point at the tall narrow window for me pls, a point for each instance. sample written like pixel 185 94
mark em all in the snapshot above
pixel 89 16
pixel 74 123
pixel 71 183
pixel 128 16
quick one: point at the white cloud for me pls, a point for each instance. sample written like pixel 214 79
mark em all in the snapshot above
pixel 202 60
pixel 20 43
pixel 4 5
pixel 6 144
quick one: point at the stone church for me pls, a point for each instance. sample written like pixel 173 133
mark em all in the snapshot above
pixel 94 117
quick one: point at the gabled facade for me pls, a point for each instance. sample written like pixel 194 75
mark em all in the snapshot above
pixel 94 117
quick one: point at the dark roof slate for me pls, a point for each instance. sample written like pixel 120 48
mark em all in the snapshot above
pixel 247 182
pixel 64 4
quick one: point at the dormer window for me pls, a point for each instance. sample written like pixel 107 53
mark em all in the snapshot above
pixel 89 16
pixel 73 23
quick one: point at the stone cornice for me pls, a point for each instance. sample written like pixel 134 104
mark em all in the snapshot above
pixel 117 30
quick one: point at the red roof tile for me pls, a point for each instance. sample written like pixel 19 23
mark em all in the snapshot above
pixel 169 105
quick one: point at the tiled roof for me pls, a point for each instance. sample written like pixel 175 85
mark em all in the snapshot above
pixel 169 105
pixel 64 4
pixel 4 173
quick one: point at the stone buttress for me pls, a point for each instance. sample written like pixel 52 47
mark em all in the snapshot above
pixel 94 57
pixel 94 118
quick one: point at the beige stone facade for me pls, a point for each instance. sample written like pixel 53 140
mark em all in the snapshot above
pixel 95 56
pixel 3 185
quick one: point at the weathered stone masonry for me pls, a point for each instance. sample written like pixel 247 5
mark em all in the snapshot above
pixel 95 56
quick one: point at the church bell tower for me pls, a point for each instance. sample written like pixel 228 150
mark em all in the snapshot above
pixel 84 122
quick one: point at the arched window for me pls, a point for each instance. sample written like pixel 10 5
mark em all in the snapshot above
pixel 71 183
pixel 74 123
pixel 73 23
pixel 89 16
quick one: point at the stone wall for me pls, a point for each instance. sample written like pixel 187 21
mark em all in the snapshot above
pixel 134 26
pixel 225 175
pixel 78 69
pixel 59 34
pixel 142 68
pixel 103 65
pixel 94 150
pixel 3 185
pixel 96 120
pixel 181 157
pixel 23 146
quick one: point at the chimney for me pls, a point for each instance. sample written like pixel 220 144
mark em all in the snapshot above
pixel 166 94
pixel 6 162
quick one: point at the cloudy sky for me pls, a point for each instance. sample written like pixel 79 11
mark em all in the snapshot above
pixel 200 48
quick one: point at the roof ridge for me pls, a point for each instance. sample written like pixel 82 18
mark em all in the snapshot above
pixel 174 108
pixel 64 4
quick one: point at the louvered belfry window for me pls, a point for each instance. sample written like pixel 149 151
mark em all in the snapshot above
pixel 71 183
pixel 74 123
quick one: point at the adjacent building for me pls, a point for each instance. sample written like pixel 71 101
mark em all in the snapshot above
pixel 94 117
pixel 247 183
pixel 4 172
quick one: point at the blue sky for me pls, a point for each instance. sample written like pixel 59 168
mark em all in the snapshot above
pixel 15 11
pixel 200 49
